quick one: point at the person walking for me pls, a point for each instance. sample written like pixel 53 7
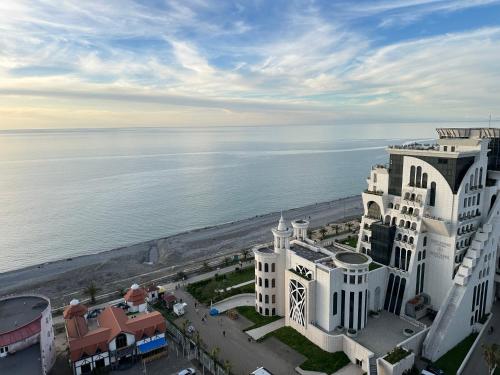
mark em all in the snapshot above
pixel 224 333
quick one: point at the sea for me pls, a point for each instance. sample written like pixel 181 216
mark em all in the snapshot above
pixel 71 192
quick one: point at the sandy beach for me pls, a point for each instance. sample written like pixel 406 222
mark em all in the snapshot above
pixel 116 269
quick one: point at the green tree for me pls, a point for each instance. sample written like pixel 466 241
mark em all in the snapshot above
pixel 491 354
pixel 206 266
pixel 322 232
pixel 214 353
pixel 335 227
pixel 245 253
pixel 227 367
pixel 91 291
pixel 349 226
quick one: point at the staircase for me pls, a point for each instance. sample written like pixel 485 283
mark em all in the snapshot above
pixel 442 321
pixel 372 366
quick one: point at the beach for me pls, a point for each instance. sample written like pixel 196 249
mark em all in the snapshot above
pixel 118 268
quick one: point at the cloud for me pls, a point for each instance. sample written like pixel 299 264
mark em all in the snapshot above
pixel 264 62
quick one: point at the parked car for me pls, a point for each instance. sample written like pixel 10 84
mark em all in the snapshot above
pixel 434 370
pixel 122 305
pixel 94 313
pixel 187 371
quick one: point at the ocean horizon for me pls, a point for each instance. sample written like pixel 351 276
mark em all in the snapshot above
pixel 71 192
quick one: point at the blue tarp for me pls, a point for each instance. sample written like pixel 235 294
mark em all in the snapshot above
pixel 152 345
pixel 214 311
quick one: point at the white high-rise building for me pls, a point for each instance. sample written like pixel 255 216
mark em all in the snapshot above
pixel 423 275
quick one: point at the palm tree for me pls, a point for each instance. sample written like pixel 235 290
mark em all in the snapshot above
pixel 91 291
pixel 322 232
pixel 349 226
pixel 214 353
pixel 206 266
pixel 245 253
pixel 491 354
pixel 227 260
pixel 335 227
pixel 227 367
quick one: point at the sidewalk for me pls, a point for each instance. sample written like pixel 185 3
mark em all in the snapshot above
pixel 259 332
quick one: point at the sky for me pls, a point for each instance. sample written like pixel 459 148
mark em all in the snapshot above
pixel 74 64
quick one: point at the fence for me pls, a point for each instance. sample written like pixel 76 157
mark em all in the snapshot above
pixel 191 350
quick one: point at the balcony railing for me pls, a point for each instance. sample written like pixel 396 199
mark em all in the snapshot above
pixel 376 192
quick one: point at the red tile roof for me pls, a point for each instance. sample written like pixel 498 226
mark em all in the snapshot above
pixel 112 322
pixel 74 310
pixel 20 334
pixel 136 296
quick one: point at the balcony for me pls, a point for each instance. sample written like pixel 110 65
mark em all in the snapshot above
pixel 375 192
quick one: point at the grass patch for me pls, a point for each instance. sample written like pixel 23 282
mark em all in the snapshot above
pixel 317 358
pixel 451 361
pixel 396 355
pixel 373 266
pixel 351 241
pixel 252 315
pixel 206 290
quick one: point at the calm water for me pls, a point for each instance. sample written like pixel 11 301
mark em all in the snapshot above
pixel 68 193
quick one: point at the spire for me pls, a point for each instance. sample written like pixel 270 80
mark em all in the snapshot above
pixel 281 224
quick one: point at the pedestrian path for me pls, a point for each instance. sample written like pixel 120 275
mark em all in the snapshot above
pixel 246 299
pixel 259 332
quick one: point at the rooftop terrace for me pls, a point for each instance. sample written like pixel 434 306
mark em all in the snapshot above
pixel 17 312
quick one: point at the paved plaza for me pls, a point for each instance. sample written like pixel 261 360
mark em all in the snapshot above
pixel 244 354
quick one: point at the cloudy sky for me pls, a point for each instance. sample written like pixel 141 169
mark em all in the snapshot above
pixel 194 62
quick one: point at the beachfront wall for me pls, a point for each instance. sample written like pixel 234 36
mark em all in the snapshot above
pixel 386 368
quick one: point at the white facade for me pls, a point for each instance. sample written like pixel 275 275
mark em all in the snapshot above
pixel 430 227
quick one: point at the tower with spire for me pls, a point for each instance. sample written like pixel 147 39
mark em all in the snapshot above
pixel 282 236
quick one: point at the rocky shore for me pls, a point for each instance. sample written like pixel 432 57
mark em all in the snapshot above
pixel 116 269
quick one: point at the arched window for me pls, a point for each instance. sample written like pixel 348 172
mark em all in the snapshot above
pixel 410 240
pixel 414 226
pixel 475 177
pixel 407 195
pixel 266 267
pixel 424 180
pixel 419 176
pixel 266 299
pixel 403 210
pixel 466 188
pixel 390 205
pixel 260 297
pixel 273 267
pixel 410 211
pixel 260 281
pixel 481 176
pixel 393 222
pixel 267 311
pixel 387 219
pixel 425 241
pixel 273 283
pixel 266 283
pixel 471 181
pixel 397 255
pixel 121 341
pixel 412 196
pixel 408 258
pixel 273 298
pixel 412 175
pixel 405 238
pixel 432 197
pixel 407 225
pixel 399 237
pixel 334 307
pixel 403 259
pixel 401 223
pixel 374 210
pixel 260 266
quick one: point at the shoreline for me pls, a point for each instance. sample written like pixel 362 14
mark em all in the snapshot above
pixel 58 277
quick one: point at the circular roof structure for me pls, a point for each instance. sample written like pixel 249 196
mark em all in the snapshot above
pixel 18 312
pixel 352 258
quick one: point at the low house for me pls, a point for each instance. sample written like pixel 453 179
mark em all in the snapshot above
pixel 114 337
pixel 152 293
pixel 170 300
pixel 136 299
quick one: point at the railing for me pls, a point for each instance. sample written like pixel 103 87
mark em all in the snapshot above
pixel 376 192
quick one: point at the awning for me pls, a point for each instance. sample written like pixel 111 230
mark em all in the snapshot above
pixel 152 345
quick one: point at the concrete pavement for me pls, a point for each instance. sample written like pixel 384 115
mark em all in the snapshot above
pixel 246 299
pixel 244 354
pixel 259 332
pixel 477 364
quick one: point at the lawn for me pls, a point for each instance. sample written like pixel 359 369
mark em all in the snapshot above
pixel 252 315
pixel 317 358
pixel 351 241
pixel 373 266
pixel 451 361
pixel 206 290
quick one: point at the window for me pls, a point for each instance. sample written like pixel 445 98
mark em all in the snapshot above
pixel 260 297
pixel 121 341
pixel 419 176
pixel 352 279
pixel 345 278
pixel 412 175
pixel 273 311
pixel 267 312
pixel 266 267
pixel 432 197
pixel 424 180
pixel 452 148
pixel 445 148
pixel 266 283
pixel 260 310
pixel 273 283
pixel 260 266
pixel 266 299
pixel 478 197
pixel 360 279
pixel 273 267
pixel 334 308
pixel 260 281
pixel 273 298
